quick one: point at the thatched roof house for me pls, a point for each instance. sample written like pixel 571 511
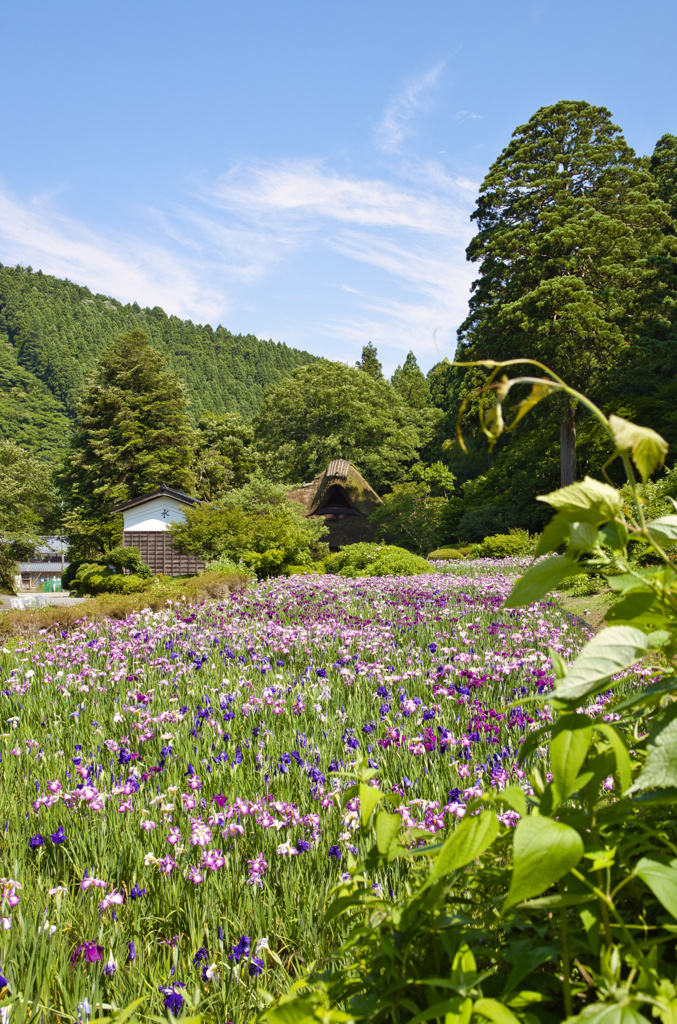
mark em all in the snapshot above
pixel 343 498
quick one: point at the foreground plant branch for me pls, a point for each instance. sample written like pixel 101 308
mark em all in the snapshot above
pixel 571 914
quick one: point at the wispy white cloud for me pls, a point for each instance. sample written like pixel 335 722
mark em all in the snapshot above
pixel 466 115
pixel 396 124
pixel 398 245
pixel 34 232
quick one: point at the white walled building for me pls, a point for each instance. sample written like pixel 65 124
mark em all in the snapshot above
pixel 146 524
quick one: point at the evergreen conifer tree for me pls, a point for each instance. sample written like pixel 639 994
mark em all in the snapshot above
pixel 131 435
pixel 369 362
pixel 411 384
pixel 571 248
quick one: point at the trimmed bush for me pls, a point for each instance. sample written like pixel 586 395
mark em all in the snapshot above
pixel 515 544
pixel 376 560
pixel 450 554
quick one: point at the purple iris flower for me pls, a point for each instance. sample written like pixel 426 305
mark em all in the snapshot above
pixel 59 836
pixel 202 954
pixel 91 951
pixel 335 852
pixel 256 966
pixel 242 949
pixel 35 841
pixel 303 846
pixel 131 954
pixel 137 893
pixel 173 1000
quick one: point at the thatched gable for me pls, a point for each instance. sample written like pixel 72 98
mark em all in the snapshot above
pixel 343 498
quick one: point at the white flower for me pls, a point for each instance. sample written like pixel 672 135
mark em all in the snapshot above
pixel 149 859
pixel 262 944
pixel 48 929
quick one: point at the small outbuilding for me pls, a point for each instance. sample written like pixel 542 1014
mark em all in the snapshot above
pixel 146 524
pixel 344 499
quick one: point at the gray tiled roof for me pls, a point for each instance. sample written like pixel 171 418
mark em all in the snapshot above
pixel 41 567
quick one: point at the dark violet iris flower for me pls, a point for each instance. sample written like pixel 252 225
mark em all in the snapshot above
pixel 3 981
pixel 35 841
pixel 303 846
pixel 131 951
pixel 202 954
pixel 173 1000
pixel 91 952
pixel 335 852
pixel 59 836
pixel 242 949
pixel 137 893
pixel 256 966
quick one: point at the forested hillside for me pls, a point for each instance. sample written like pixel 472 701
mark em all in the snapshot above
pixel 52 334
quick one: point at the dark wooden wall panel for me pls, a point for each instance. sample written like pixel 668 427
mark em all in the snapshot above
pixel 155 548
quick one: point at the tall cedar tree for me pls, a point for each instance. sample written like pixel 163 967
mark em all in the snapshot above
pixel 369 363
pixel 131 435
pixel 409 381
pixel 572 254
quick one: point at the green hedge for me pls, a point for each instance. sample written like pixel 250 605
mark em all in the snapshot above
pixel 376 560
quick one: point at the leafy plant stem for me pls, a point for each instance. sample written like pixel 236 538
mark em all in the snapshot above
pixel 566 962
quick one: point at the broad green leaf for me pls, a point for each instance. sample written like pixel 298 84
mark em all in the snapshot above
pixel 609 652
pixel 614 535
pixel 641 579
pixel 369 797
pixel 658 639
pixel 648 448
pixel 495 1011
pixel 387 829
pixel 455 1007
pixel 609 1013
pixel 660 767
pixel 582 537
pixel 623 762
pixel 560 666
pixel 664 529
pixel 587 500
pixel 554 535
pixel 514 797
pixel 460 1016
pixel 661 879
pixel 569 746
pixel 531 741
pixel 650 695
pixel 641 608
pixel 468 841
pixel 296 1011
pixel 540 579
pixel 528 961
pixel 543 852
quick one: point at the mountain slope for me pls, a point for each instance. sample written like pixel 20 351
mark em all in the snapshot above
pixel 52 333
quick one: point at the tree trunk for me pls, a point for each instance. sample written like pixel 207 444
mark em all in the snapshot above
pixel 567 439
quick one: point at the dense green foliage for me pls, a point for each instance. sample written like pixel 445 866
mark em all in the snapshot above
pixel 256 525
pixel 53 333
pixel 576 252
pixel 558 902
pixel 328 410
pixel 25 501
pixel 132 434
pixel 366 559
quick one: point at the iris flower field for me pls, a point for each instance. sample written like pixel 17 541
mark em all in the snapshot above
pixel 170 812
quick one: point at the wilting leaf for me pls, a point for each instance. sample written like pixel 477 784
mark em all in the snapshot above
pixel 648 448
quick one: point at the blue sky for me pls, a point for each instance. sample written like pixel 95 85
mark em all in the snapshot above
pixel 303 170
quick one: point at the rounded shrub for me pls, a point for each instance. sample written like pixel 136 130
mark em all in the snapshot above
pixel 367 559
pixel 450 554
pixel 515 544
